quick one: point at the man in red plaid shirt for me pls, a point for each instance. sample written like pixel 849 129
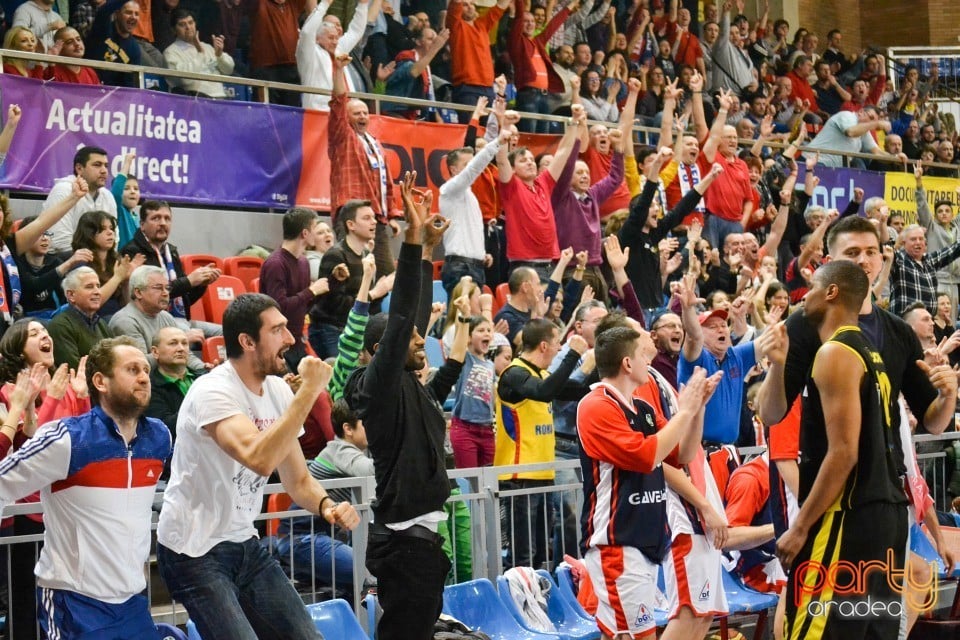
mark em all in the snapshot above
pixel 358 168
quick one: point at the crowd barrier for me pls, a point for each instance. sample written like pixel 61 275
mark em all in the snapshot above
pixel 480 499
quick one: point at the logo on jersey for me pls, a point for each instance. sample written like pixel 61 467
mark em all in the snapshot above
pixel 705 592
pixel 649 420
pixel 644 617
pixel 647 497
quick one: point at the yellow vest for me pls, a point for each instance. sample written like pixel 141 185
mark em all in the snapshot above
pixel 525 433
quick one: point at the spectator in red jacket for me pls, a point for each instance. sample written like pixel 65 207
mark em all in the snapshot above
pixel 533 72
pixel 470 49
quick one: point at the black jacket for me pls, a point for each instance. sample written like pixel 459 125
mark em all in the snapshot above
pixel 180 287
pixel 405 429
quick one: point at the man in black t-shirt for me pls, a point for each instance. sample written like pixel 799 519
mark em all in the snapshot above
pixel 854 508
pixel 930 392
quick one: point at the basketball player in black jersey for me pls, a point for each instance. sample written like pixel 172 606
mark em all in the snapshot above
pixel 846 549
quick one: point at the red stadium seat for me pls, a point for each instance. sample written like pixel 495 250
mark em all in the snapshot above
pixel 254 286
pixel 276 503
pixel 437 268
pixel 214 351
pixel 501 295
pixel 219 295
pixel 193 260
pixel 245 268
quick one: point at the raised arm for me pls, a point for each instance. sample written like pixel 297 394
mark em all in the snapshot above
pixel 27 236
pixel 263 451
pixel 504 168
pixel 693 334
pixel 9 128
pixel 418 67
pixel 629 113
pixel 570 136
pixel 716 131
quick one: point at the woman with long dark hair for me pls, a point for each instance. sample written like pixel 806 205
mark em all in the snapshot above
pixel 34 393
pixel 97 231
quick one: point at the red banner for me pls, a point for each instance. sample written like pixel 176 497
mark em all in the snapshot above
pixel 408 146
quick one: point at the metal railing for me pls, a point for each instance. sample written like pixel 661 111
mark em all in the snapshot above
pixel 642 134
pixel 481 499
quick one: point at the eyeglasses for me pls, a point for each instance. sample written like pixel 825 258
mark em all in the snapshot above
pixel 159 287
pixel 48 234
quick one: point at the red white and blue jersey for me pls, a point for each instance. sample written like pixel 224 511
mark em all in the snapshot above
pixel 97 493
pixel 623 485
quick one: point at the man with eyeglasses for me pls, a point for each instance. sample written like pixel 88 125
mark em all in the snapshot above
pixel 151 240
pixel 146 313
pixel 667 333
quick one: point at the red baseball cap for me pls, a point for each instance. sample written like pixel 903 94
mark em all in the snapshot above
pixel 716 313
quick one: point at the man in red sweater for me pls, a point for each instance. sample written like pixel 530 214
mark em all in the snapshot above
pixel 67 42
pixel 472 63
pixel 533 72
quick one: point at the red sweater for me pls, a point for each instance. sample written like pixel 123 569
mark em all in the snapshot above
pixel 523 48
pixel 470 45
pixel 60 73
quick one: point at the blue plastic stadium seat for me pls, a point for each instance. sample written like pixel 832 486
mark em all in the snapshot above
pixel 476 604
pixel 439 293
pixel 565 590
pixel 170 632
pixel 371 603
pixel 921 545
pixel 192 633
pixel 335 619
pixel 743 599
pixel 434 350
pixel 569 624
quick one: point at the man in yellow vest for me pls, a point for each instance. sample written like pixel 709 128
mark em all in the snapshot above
pixel 525 431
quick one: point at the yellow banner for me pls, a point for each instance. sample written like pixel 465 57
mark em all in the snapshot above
pixel 899 190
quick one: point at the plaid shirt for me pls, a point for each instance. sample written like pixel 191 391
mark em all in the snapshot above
pixel 351 176
pixel 912 281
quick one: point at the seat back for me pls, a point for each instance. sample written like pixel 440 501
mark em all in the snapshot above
pixel 335 619
pixel 476 604
pixel 439 293
pixel 566 591
pixel 567 620
pixel 214 350
pixel 437 269
pixel 276 503
pixel 193 260
pixel 537 619
pixel 743 599
pixel 254 286
pixel 434 349
pixel 245 268
pixel 501 294
pixel 219 295
pixel 170 632
pixel 192 633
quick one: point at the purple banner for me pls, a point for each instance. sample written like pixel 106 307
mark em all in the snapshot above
pixel 836 186
pixel 188 149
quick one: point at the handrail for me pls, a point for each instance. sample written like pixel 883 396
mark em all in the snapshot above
pixel 377 99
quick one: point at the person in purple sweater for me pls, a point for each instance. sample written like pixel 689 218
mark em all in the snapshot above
pixel 285 277
pixel 576 208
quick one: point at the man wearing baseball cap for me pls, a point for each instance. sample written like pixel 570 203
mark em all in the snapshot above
pixel 707 344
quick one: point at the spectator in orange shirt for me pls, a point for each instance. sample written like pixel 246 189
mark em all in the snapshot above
pixel 470 49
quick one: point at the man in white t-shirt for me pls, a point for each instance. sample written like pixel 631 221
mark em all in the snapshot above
pixel 236 426
pixel 93 165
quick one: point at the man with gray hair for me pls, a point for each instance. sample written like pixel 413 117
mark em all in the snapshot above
pixel 78 327
pixel 732 67
pixel 319 43
pixel 146 313
pixel 878 211
pixel 913 276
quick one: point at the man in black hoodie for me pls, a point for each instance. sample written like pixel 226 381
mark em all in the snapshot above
pixel 405 435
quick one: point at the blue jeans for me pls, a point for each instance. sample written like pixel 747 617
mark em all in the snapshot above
pixel 331 561
pixel 567 504
pixel 236 591
pixel 533 101
pixel 455 267
pixel 469 94
pixel 324 339
pixel 716 229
